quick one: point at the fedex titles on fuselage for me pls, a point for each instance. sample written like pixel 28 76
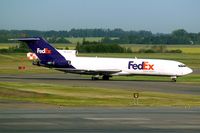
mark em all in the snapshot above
pixel 43 51
pixel 145 65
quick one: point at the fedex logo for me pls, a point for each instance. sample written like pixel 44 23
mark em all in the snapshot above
pixel 43 51
pixel 143 66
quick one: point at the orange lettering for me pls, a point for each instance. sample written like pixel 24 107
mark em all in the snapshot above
pixel 145 66
pixel 151 66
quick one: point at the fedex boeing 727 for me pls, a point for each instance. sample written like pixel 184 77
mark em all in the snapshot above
pixel 67 61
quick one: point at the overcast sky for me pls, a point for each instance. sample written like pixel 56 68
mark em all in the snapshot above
pixel 154 15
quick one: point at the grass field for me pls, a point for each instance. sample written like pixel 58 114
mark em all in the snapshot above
pixel 74 40
pixel 79 96
pixel 188 79
pixel 7 45
pixel 10 63
pixel 194 49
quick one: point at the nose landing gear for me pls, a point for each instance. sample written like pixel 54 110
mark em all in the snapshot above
pixel 173 78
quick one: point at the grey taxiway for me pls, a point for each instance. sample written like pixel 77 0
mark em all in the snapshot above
pixel 140 120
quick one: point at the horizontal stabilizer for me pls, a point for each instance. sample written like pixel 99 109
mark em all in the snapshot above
pixel 25 39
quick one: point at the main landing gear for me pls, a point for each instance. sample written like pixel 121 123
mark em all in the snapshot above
pixel 173 78
pixel 104 77
pixel 95 77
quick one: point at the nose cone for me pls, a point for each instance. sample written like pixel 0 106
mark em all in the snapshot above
pixel 187 71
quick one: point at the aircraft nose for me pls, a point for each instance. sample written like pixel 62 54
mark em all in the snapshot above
pixel 188 70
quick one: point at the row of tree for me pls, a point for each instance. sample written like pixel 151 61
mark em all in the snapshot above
pixel 180 36
pixel 98 47
pixel 176 37
pixel 70 33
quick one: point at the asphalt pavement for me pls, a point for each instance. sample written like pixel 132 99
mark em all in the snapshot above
pixel 139 120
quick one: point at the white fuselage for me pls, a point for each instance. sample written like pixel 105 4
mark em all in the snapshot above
pixel 129 66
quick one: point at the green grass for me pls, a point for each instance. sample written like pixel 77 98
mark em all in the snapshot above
pixel 194 49
pixel 63 46
pixel 74 40
pixel 10 63
pixel 188 50
pixel 188 79
pixel 78 96
pixel 57 45
pixel 7 45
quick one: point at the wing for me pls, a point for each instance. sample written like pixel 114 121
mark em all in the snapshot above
pixel 89 72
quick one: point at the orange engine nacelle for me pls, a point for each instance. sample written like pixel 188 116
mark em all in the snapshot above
pixel 32 56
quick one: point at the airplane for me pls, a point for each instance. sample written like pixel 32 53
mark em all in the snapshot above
pixel 68 62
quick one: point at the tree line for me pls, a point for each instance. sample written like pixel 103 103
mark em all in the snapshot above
pixel 179 36
pixel 99 47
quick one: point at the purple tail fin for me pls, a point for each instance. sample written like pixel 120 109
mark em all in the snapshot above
pixel 47 54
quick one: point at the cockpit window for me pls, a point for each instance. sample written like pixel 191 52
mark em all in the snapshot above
pixel 181 65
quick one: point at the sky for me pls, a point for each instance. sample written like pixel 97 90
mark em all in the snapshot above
pixel 158 16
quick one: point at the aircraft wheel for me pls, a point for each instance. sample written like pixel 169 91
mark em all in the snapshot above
pixel 105 77
pixel 174 79
pixel 95 78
